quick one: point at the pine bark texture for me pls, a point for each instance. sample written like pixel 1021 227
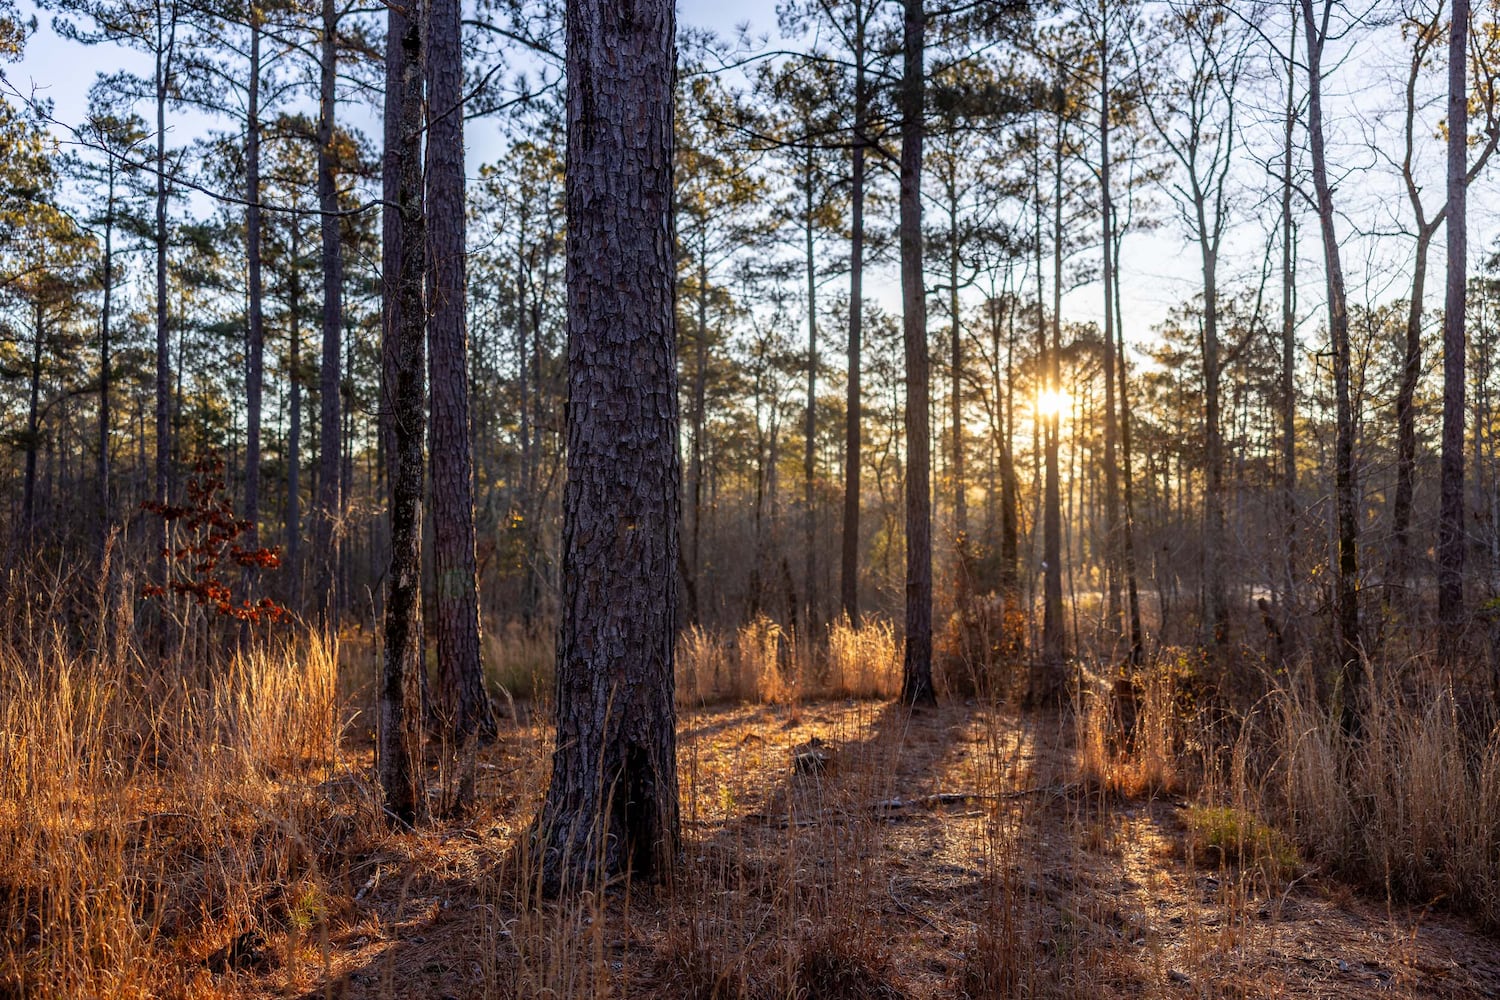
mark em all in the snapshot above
pixel 612 807
pixel 460 670
pixel 402 401
pixel 916 676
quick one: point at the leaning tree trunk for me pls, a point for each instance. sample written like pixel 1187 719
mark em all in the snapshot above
pixel 612 804
pixel 1451 535
pixel 328 507
pixel 460 672
pixel 916 677
pixel 402 393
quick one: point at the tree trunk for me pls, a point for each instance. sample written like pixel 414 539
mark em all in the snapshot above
pixel 1289 358
pixel 916 678
pixel 326 533
pixel 402 350
pixel 810 428
pixel 255 339
pixel 1347 600
pixel 460 670
pixel 849 575
pixel 165 35
pixel 1452 538
pixel 105 362
pixel 1112 612
pixel 1047 685
pixel 612 804
pixel 293 563
pixel 33 430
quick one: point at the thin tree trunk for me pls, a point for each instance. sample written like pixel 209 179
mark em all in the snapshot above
pixel 810 428
pixel 106 375
pixel 1112 612
pixel 612 805
pixel 33 429
pixel 293 563
pixel 329 508
pixel 916 679
pixel 256 341
pixel 165 36
pixel 1452 538
pixel 1347 531
pixel 1289 359
pixel 849 576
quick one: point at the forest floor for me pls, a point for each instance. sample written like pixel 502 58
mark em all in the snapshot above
pixel 955 852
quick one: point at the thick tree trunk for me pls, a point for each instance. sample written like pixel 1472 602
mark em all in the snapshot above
pixel 460 669
pixel 1132 588
pixel 329 508
pixel 916 678
pixel 255 346
pixel 612 804
pixel 402 357
pixel 1346 610
pixel 849 568
pixel 1452 538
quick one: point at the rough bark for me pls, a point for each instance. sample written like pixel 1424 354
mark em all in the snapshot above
pixel 916 677
pixel 460 670
pixel 402 364
pixel 612 807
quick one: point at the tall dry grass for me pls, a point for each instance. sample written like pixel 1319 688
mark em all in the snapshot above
pixel 1409 807
pixel 143 813
pixel 762 662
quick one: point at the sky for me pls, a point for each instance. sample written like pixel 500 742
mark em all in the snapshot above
pixel 1159 270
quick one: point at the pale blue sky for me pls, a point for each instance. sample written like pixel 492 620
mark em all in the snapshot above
pixel 1159 270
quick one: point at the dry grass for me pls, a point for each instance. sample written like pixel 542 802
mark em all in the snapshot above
pixel 208 829
pixel 1411 807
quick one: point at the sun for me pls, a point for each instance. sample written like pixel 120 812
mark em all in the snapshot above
pixel 1053 403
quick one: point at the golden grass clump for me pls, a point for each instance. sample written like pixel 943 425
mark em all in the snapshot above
pixel 1410 807
pixel 141 815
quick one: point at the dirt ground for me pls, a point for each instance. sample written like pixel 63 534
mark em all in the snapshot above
pixel 949 853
